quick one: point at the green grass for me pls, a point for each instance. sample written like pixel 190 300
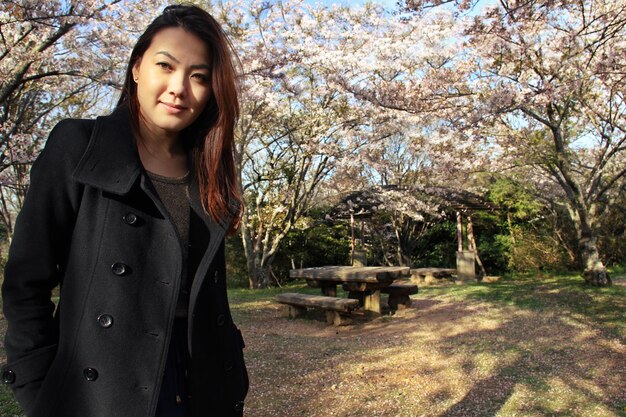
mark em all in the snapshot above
pixel 566 293
pixel 245 295
pixel 8 405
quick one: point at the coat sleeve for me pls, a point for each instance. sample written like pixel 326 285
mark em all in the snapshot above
pixel 37 259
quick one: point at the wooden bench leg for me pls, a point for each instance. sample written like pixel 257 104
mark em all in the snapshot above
pixel 399 302
pixel 329 291
pixel 430 279
pixel 371 301
pixel 356 295
pixel 335 318
pixel 295 311
pixel 417 279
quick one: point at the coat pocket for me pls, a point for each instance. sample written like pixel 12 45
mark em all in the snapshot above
pixel 26 375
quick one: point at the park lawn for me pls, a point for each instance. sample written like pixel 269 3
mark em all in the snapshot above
pixel 523 346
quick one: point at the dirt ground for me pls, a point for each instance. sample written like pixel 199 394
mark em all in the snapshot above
pixel 439 358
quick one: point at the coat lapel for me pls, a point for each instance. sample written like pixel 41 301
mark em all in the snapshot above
pixel 216 234
pixel 111 161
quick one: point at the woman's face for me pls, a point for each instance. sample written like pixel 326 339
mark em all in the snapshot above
pixel 173 82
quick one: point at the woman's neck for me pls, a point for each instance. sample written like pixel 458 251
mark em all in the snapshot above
pixel 161 154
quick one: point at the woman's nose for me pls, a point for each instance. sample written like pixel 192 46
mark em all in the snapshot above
pixel 177 84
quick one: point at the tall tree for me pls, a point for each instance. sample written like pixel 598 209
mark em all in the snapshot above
pixel 548 78
pixel 523 85
pixel 296 129
pixel 57 59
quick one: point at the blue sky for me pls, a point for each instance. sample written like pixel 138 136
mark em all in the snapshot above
pixel 389 4
pixel 386 3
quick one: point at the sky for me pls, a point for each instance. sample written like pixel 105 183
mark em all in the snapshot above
pixel 386 3
pixel 389 4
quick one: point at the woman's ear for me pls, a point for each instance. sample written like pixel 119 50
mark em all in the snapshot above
pixel 136 70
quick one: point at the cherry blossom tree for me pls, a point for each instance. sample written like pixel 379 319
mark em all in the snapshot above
pixel 297 129
pixel 57 59
pixel 549 79
pixel 402 214
pixel 519 86
pixel 404 65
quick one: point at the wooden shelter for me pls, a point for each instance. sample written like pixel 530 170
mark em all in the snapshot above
pixel 359 206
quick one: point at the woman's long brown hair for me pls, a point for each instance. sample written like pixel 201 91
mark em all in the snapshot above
pixel 211 136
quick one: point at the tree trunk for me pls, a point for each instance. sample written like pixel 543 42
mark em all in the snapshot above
pixel 459 231
pixel 258 271
pixel 594 271
pixel 256 275
pixel 583 207
pixel 259 277
pixel 401 256
pixel 259 267
pixel 472 245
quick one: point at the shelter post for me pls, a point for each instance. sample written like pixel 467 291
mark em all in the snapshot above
pixel 465 260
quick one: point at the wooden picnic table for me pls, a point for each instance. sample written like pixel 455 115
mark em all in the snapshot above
pixel 362 283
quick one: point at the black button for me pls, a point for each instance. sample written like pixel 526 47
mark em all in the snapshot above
pixel 119 268
pixel 131 218
pixel 105 320
pixel 221 320
pixel 8 376
pixel 238 406
pixel 216 277
pixel 228 365
pixel 90 374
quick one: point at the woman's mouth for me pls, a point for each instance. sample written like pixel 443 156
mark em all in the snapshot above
pixel 173 108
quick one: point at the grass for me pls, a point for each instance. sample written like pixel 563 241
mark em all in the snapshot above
pixel 8 406
pixel 564 292
pixel 526 345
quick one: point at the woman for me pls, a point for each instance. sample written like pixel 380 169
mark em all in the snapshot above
pixel 127 214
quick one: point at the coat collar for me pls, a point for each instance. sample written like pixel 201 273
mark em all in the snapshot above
pixel 111 161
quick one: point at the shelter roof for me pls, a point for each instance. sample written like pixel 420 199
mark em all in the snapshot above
pixel 363 203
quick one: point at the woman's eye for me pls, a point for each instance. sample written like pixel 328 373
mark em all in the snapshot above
pixel 201 77
pixel 164 65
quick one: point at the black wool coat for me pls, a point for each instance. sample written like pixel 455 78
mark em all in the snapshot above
pixel 92 224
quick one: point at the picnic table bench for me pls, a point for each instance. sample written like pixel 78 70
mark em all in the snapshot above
pixel 430 274
pixel 399 295
pixel 336 309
